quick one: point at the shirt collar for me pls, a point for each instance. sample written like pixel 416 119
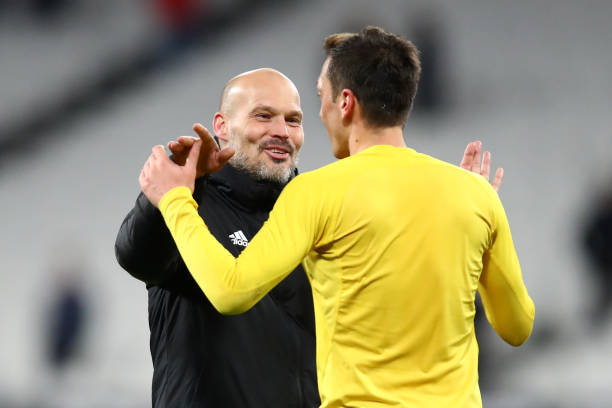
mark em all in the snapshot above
pixel 243 188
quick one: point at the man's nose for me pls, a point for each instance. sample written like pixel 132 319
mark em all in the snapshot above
pixel 280 128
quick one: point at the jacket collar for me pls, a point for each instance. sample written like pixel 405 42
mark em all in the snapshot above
pixel 244 189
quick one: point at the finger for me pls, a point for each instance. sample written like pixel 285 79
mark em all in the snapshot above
pixel 476 158
pixel 161 158
pixel 225 154
pixel 175 147
pixel 186 141
pixel 485 169
pixel 466 162
pixel 194 154
pixel 157 152
pixel 202 132
pixel 497 181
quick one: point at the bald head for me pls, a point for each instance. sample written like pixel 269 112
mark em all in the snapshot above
pixel 261 118
pixel 252 81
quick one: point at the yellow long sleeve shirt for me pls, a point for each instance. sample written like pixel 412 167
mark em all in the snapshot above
pixel 395 244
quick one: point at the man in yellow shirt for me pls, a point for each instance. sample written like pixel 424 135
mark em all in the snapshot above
pixel 395 243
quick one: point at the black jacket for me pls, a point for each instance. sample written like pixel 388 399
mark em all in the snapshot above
pixel 262 358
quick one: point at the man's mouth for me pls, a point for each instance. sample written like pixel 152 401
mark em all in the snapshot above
pixel 277 152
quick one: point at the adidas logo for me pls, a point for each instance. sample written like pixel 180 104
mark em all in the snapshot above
pixel 238 238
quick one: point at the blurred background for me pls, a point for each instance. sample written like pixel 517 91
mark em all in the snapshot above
pixel 88 86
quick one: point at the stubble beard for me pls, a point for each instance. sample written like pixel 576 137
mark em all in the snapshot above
pixel 257 167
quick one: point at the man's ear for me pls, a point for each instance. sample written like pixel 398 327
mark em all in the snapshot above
pixel 220 127
pixel 347 102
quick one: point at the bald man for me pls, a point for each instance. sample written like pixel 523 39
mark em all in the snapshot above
pixel 266 357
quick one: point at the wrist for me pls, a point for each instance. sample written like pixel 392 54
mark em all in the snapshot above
pixel 171 195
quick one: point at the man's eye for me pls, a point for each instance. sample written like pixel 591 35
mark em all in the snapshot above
pixel 294 121
pixel 263 116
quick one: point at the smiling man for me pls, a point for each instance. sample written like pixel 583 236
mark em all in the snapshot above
pixel 265 357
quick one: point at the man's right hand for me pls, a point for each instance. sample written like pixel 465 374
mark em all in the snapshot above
pixel 211 158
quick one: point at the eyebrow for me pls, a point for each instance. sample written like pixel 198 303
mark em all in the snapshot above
pixel 270 109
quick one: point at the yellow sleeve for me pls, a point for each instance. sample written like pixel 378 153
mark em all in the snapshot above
pixel 507 304
pixel 234 285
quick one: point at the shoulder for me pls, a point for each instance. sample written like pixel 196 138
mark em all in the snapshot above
pixel 341 168
pixel 328 180
pixel 466 178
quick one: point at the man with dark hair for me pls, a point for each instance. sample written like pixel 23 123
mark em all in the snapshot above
pixel 380 70
pixel 395 244
pixel 386 91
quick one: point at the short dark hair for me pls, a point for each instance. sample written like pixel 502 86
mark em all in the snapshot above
pixel 380 68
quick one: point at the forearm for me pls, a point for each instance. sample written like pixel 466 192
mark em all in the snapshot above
pixel 507 304
pixel 232 285
pixel 509 309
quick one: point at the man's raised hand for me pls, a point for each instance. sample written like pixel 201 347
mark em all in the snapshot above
pixel 471 161
pixel 211 158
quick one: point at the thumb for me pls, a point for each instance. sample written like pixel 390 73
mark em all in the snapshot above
pixel 225 154
pixel 194 154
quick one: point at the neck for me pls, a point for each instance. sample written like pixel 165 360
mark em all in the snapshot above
pixel 361 137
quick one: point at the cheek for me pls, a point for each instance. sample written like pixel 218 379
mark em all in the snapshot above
pixel 253 133
pixel 327 111
pixel 324 110
pixel 297 138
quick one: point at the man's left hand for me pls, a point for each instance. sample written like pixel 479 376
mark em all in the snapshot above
pixel 471 161
pixel 160 174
